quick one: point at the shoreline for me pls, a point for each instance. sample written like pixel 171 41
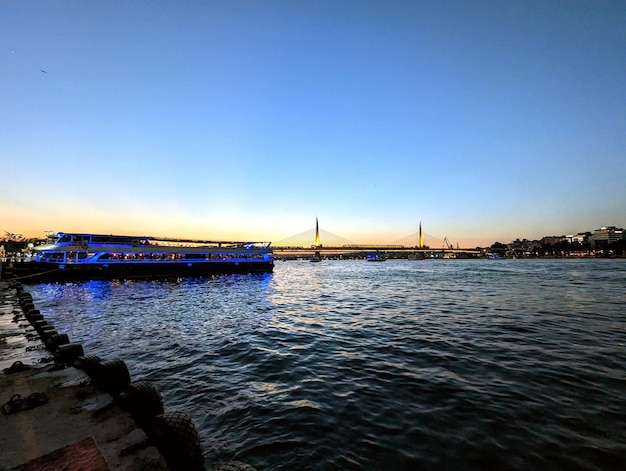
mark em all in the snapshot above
pixel 64 410
pixel 75 424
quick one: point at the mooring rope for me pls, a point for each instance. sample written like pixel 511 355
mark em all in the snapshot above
pixel 17 278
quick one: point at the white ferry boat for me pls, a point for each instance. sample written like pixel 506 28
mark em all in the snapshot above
pixel 72 257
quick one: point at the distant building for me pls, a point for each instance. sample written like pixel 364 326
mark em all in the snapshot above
pixel 551 240
pixel 581 237
pixel 607 235
pixel 522 247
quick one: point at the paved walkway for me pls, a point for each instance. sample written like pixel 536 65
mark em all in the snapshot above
pixel 74 425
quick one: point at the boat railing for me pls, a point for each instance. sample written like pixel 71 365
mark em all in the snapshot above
pixel 16 259
pixel 159 258
pixel 101 240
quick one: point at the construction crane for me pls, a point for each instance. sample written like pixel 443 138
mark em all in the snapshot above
pixel 447 244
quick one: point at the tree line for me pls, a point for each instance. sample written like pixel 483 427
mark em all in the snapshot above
pixel 16 243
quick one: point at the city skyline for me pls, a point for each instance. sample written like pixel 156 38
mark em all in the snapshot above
pixel 319 236
pixel 487 121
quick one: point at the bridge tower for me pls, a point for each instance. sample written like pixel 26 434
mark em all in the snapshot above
pixel 317 233
pixel 318 256
pixel 421 242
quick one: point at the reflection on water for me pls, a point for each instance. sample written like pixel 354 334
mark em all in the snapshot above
pixel 508 364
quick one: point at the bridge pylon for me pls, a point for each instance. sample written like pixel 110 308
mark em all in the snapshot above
pixel 317 233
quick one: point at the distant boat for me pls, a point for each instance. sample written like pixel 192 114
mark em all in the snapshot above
pixel 377 257
pixel 316 258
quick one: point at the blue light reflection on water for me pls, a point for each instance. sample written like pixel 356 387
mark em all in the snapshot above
pixel 353 365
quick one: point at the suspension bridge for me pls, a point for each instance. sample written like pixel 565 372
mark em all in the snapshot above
pixel 320 242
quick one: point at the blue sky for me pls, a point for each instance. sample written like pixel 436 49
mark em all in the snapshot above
pixel 485 120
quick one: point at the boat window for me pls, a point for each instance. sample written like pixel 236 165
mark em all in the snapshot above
pixel 196 256
pixel 99 239
pixel 110 239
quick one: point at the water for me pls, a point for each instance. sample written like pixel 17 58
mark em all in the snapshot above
pixel 401 365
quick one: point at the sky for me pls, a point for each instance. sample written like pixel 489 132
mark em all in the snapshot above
pixel 245 120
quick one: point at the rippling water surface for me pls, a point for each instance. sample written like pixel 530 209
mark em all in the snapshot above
pixel 451 365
